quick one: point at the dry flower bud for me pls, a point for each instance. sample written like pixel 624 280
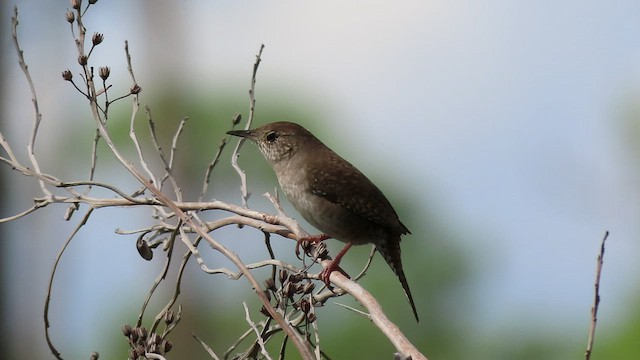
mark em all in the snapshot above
pixel 167 345
pixel 299 288
pixel 311 317
pixel 75 4
pixel 305 306
pixel 70 16
pixel 270 284
pixel 283 275
pixel 126 330
pixel 169 317
pixel 264 311
pixel 104 72
pixel 140 351
pixel 296 278
pixel 236 119
pixel 153 339
pixel 308 287
pixel 290 290
pixel 142 332
pixel 83 59
pixel 97 38
pixel 134 335
pixel 67 75
pixel 136 89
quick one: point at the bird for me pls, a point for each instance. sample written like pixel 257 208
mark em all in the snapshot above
pixel 331 194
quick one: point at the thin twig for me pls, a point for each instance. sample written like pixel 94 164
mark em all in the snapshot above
pixel 19 215
pixel 7 149
pixel 94 159
pixel 206 347
pixel 157 281
pixel 168 164
pixel 176 294
pixel 37 116
pixel 252 89
pixel 236 151
pixel 366 265
pixel 134 139
pixel 256 265
pixel 263 350
pixel 596 299
pixel 47 301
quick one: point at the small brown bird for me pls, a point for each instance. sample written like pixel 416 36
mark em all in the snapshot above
pixel 331 194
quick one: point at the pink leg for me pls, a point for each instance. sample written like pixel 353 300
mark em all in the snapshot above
pixel 313 239
pixel 326 273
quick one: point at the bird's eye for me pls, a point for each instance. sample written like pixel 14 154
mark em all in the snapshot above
pixel 272 136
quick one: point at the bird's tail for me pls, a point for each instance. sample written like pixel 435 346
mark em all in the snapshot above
pixel 391 253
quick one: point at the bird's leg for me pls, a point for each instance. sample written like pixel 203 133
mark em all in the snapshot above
pixel 310 239
pixel 326 273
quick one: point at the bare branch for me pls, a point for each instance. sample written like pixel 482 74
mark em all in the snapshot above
pixel 255 329
pixel 596 300
pixel 216 158
pixel 236 151
pixel 37 116
pixel 168 164
pixel 157 281
pixel 47 301
pixel 206 347
pixel 19 215
pixel 377 315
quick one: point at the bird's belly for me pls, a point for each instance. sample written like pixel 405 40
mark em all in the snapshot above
pixel 330 218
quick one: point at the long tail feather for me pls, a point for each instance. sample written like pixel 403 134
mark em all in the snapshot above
pixel 390 250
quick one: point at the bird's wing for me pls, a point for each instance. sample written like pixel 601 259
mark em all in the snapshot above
pixel 354 192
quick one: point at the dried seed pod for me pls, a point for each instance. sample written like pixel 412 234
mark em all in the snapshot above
pixel 167 345
pixel 97 38
pixel 143 249
pixel 264 311
pixel 142 332
pixel 140 350
pixel 283 274
pixel 308 287
pixel 169 317
pixel 311 317
pixel 136 89
pixel 236 119
pixel 134 335
pixel 270 284
pixel 70 16
pixel 126 330
pixel 295 278
pixel 67 75
pixel 104 72
pixel 305 306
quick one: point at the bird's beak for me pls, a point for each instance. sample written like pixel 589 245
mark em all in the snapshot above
pixel 249 134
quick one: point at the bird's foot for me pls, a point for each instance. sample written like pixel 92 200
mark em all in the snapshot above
pixel 304 241
pixel 325 274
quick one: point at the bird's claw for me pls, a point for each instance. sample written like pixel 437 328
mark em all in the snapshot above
pixel 325 274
